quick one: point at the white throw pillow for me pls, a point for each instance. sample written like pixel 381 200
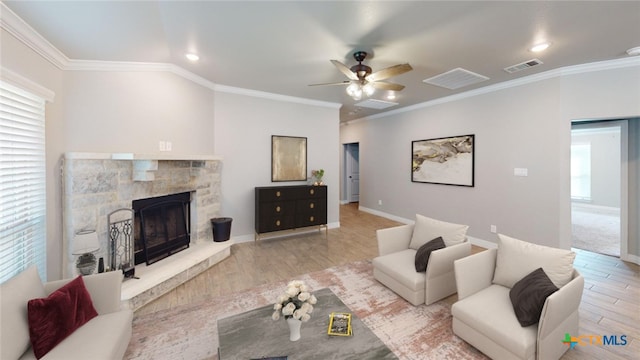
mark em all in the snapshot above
pixel 15 293
pixel 427 229
pixel 517 258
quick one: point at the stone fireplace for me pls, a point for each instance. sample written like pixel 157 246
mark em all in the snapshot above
pixel 96 184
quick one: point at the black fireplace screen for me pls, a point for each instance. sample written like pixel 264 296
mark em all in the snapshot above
pixel 161 227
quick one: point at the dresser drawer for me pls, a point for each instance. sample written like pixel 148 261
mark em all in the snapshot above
pixel 277 194
pixel 318 192
pixel 277 208
pixel 276 223
pixel 311 219
pixel 311 205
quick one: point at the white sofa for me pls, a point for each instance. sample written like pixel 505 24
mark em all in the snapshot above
pixel 106 336
pixel 484 314
pixel 394 267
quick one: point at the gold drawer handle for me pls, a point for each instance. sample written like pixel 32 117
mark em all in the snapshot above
pixel 311 218
pixel 277 222
pixel 277 208
pixel 278 193
pixel 312 191
pixel 311 206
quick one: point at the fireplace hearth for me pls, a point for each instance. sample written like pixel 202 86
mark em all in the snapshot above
pixel 161 226
pixel 97 184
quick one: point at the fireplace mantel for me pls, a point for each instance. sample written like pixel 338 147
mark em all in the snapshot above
pixel 136 156
pixel 144 165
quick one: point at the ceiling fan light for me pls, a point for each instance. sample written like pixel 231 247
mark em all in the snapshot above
pixel 355 92
pixel 368 89
pixel 352 89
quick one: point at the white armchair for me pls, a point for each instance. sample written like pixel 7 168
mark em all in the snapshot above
pixel 394 267
pixel 484 315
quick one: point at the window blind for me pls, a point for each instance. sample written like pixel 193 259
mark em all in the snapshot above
pixel 22 182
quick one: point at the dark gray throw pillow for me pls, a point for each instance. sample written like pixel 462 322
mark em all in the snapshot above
pixel 424 251
pixel 529 294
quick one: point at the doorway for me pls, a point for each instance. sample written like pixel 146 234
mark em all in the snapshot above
pixel 598 186
pixel 352 172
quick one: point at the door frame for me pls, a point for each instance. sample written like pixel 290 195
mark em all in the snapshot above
pixel 623 124
pixel 347 170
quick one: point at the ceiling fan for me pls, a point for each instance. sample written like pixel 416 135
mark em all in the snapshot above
pixel 363 81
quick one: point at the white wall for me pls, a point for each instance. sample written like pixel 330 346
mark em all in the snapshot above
pixel 118 111
pixel 526 126
pixel 243 128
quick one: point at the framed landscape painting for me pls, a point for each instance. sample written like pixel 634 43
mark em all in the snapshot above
pixel 288 158
pixel 448 161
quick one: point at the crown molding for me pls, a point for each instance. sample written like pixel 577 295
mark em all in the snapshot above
pixel 555 73
pixel 17 27
pixel 277 97
pixel 97 65
pixel 22 31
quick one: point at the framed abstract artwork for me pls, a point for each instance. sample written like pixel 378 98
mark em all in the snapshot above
pixel 448 161
pixel 288 158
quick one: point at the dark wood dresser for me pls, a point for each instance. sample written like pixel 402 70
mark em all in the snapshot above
pixel 290 207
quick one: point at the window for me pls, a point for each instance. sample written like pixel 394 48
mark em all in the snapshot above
pixel 581 172
pixel 22 182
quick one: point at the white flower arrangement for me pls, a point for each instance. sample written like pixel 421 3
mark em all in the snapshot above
pixel 296 302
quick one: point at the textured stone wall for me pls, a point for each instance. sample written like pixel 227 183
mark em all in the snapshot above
pixel 93 188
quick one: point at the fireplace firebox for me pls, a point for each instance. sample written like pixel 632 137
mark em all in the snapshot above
pixel 161 227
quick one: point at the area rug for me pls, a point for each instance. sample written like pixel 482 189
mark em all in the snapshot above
pixel 411 332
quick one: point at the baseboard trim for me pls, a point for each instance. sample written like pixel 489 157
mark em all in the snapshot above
pixel 631 258
pixel 475 241
pixel 386 215
pixel 482 243
pixel 283 233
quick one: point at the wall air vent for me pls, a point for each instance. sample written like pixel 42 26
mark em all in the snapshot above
pixel 376 104
pixel 456 78
pixel 523 65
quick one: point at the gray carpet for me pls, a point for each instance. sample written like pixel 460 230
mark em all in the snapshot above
pixel 596 228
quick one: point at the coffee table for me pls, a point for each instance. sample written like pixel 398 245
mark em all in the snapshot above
pixel 253 334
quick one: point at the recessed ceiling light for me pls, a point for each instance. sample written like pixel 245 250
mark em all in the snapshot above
pixel 391 95
pixel 539 47
pixel 634 51
pixel 192 56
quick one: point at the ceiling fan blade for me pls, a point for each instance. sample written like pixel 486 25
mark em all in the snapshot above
pixel 345 70
pixel 387 86
pixel 346 82
pixel 389 72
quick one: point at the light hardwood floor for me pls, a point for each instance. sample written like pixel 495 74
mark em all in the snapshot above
pixel 610 302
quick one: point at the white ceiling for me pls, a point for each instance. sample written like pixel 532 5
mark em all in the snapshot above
pixel 282 46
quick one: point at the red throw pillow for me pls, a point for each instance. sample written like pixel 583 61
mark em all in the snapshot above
pixel 55 317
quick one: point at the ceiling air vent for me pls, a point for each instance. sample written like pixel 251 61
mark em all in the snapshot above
pixel 522 66
pixel 456 78
pixel 376 104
